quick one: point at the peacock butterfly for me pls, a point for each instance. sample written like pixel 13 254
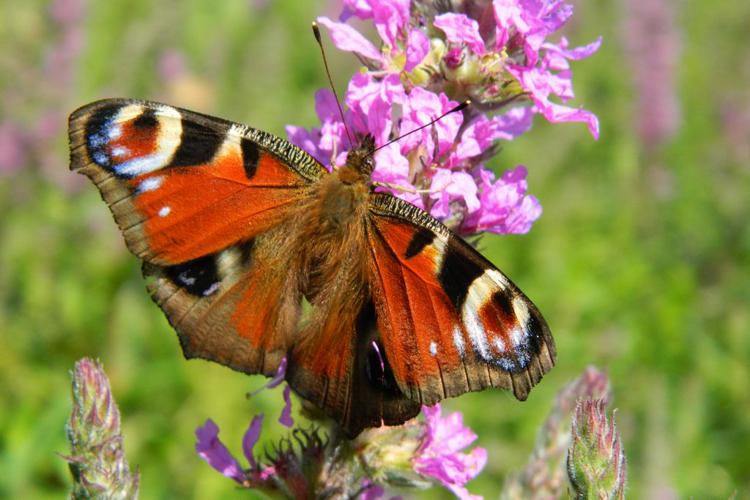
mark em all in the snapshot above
pixel 255 252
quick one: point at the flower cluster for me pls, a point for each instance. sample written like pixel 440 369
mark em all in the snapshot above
pixel 415 455
pixel 494 53
pixel 431 56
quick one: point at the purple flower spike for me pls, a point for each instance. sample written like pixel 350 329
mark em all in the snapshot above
pixel 440 456
pixel 212 450
pixel 286 414
pixel 348 39
pixel 252 434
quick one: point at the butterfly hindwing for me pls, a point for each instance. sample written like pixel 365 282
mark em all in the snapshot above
pixel 238 307
pixel 183 185
pixel 450 321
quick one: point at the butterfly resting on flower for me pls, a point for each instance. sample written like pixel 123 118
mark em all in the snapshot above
pixel 255 252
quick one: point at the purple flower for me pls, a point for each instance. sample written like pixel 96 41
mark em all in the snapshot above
pixel 499 61
pixel 210 448
pixel 403 47
pixel 438 160
pixel 505 206
pixel 440 456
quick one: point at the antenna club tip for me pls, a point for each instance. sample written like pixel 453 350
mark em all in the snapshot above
pixel 316 30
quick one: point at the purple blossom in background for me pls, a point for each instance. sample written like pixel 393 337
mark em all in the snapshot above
pixel 440 456
pixel 652 49
pixel 424 64
pixel 13 149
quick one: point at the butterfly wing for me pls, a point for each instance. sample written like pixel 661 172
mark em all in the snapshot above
pixel 202 201
pixel 182 185
pixel 450 321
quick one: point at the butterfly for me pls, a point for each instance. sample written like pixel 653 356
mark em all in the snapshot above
pixel 256 253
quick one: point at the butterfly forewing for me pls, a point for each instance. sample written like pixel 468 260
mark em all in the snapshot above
pixel 182 185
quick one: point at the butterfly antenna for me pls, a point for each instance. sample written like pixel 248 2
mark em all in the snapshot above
pixel 458 107
pixel 316 32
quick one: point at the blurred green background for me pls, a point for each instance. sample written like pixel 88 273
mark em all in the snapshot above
pixel 640 261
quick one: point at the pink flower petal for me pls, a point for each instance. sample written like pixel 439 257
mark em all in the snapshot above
pixel 348 39
pixel 540 84
pixel 460 29
pixel 391 18
pixel 360 8
pixel 440 457
pixel 417 48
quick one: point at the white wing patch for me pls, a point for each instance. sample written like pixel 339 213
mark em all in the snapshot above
pixel 458 341
pixel 504 348
pixel 150 184
pixel 167 141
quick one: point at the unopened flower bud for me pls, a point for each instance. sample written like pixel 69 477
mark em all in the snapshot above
pixel 97 461
pixel 387 454
pixel 596 462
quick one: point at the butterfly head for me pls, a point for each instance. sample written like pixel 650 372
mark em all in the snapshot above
pixel 360 159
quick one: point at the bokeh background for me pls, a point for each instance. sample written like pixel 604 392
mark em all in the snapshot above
pixel 640 261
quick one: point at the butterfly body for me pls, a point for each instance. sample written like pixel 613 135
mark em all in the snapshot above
pixel 255 252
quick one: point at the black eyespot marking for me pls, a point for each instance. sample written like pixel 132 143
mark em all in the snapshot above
pixel 198 144
pixel 250 157
pixel 198 277
pixel 419 241
pixel 97 132
pixel 503 300
pixel 146 120
pixel 457 273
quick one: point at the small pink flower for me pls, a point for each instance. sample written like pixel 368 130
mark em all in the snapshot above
pixel 440 456
pixel 506 208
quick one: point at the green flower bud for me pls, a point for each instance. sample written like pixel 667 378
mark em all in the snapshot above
pixel 97 460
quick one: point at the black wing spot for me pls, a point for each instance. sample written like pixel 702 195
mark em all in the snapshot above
pixel 419 241
pixel 503 299
pixel 146 120
pixel 250 157
pixel 198 277
pixel 198 144
pixel 457 273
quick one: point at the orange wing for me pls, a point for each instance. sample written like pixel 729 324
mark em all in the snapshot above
pixel 202 201
pixel 450 321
